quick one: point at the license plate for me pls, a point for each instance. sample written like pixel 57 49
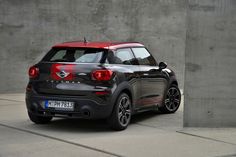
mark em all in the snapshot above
pixel 59 105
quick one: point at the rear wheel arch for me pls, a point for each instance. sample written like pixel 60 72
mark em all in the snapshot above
pixel 123 88
pixel 174 82
pixel 128 92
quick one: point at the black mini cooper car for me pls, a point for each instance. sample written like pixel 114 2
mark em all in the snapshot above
pixel 94 80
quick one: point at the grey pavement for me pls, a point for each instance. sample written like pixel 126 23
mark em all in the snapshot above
pixel 149 134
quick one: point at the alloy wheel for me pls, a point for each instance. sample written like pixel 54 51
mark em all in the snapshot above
pixel 172 100
pixel 124 111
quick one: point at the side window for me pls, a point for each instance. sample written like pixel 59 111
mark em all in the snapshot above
pixel 143 56
pixel 121 56
pixel 59 55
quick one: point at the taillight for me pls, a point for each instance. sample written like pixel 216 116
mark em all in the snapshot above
pixel 33 72
pixel 102 92
pixel 102 75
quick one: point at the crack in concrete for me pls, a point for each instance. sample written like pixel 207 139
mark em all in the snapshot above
pixel 150 126
pixel 11 100
pixel 206 138
pixel 189 134
pixel 230 155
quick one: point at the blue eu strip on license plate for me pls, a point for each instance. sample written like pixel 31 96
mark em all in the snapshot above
pixel 46 104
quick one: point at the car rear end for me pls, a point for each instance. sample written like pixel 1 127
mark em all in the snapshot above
pixel 71 82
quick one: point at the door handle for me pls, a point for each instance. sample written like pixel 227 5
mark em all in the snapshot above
pixel 145 74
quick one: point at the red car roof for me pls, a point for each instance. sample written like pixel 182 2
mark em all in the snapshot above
pixel 104 45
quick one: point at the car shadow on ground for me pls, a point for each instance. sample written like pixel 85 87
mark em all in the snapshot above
pixel 83 125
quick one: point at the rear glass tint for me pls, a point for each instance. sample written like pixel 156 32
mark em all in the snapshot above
pixel 76 55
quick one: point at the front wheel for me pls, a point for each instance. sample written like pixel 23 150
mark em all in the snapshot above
pixel 172 100
pixel 39 119
pixel 121 115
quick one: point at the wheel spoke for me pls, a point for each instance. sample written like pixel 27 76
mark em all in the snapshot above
pixel 126 105
pixel 168 94
pixel 168 105
pixel 122 102
pixel 176 94
pixel 120 115
pixel 125 120
pixel 176 100
pixel 128 111
pixel 167 100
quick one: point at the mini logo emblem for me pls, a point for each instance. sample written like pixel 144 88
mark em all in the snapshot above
pixel 62 74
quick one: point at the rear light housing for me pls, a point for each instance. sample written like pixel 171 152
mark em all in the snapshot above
pixel 102 75
pixel 33 72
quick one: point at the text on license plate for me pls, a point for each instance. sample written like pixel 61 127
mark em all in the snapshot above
pixel 59 105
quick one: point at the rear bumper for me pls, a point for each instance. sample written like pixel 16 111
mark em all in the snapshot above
pixel 85 107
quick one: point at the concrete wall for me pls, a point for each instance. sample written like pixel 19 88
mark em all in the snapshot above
pixel 210 80
pixel 29 27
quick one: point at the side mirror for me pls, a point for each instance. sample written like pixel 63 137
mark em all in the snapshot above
pixel 162 65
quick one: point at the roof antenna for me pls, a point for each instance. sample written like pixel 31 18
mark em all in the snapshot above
pixel 85 41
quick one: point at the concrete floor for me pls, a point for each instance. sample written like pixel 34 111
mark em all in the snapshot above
pixel 149 134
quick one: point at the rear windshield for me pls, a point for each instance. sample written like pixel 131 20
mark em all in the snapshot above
pixel 77 55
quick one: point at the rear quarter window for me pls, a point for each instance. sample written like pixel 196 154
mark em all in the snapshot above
pixel 121 56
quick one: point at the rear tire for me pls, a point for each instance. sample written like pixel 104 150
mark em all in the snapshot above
pixel 172 100
pixel 121 114
pixel 39 119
